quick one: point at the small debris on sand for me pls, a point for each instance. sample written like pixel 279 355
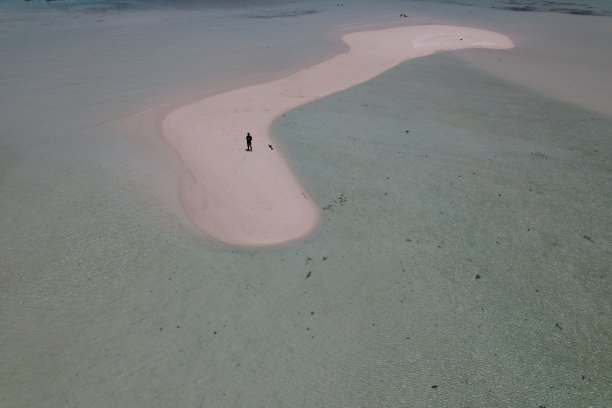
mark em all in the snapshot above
pixel 308 275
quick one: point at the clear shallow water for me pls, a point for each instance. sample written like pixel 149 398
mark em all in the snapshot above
pixel 107 299
pixel 586 7
pixel 579 7
pixel 472 234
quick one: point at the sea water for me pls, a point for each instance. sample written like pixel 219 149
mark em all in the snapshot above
pixel 581 7
pixel 462 257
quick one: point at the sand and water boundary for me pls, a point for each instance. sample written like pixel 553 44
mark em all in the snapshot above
pixel 253 198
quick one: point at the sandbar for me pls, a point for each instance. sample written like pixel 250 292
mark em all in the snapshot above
pixel 254 198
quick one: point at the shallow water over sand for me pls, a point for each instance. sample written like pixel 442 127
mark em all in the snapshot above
pixel 422 274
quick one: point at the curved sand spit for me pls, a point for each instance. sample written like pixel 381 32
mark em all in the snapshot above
pixel 253 198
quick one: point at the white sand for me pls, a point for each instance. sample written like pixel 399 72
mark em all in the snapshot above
pixel 253 198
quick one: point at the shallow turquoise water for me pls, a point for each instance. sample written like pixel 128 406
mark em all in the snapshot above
pixel 578 7
pixel 108 299
pixel 483 234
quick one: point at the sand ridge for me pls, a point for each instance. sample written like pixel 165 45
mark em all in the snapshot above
pixel 253 198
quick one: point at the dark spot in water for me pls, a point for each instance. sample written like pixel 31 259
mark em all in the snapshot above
pixel 520 8
pixel 311 313
pixel 577 12
pixel 434 386
pixel 588 238
pixel 308 274
pixel 214 332
pixel 477 276
pixel 558 326
pixel 539 155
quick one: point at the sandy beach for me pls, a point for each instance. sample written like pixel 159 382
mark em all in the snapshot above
pixel 451 247
pixel 253 198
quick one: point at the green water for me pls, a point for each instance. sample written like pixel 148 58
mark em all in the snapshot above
pixel 108 299
pixel 483 234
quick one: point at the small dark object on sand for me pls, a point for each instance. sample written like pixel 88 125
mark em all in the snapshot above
pixel 407 131
pixel 308 275
pixel 434 386
pixel 270 146
pixel 558 326
pixel 477 276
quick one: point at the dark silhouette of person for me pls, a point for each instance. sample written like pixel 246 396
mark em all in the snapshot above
pixel 249 138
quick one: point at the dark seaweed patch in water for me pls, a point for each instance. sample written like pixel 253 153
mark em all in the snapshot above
pixel 553 6
pixel 578 12
pixel 292 13
pixel 520 8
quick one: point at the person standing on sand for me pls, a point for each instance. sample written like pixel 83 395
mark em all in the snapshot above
pixel 248 139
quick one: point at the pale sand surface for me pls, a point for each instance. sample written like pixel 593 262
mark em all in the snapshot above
pixel 252 198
